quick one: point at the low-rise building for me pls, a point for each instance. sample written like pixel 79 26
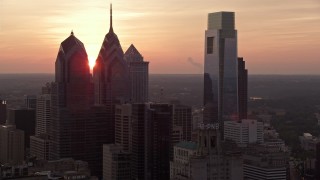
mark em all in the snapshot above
pixel 308 142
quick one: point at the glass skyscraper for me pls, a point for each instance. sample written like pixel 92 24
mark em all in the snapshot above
pixel 221 69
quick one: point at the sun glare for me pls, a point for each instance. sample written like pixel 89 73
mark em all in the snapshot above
pixel 92 62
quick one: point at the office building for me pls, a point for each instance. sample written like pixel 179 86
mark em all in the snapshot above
pixel 220 69
pixel 150 143
pixel 3 112
pixel 40 147
pixel 244 132
pixel 78 128
pixel 139 75
pixel 11 145
pixel 205 159
pixel 43 114
pixel 30 101
pixel 242 89
pixel 116 162
pixel 260 163
pixel 111 72
pixel 24 119
pixel 123 125
pixel 183 118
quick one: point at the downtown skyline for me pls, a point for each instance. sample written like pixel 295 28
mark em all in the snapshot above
pixel 170 35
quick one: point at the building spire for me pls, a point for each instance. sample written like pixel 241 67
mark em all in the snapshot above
pixel 111 28
pixel 72 32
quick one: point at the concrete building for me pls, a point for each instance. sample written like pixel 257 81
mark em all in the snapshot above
pixel 308 142
pixel 205 159
pixel 43 114
pixel 261 163
pixel 139 75
pixel 30 101
pixel 40 147
pixel 11 145
pixel 244 132
pixel 24 119
pixel 116 163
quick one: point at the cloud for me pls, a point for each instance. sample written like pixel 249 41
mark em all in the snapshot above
pixel 195 64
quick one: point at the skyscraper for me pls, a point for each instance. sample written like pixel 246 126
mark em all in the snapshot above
pixel 11 145
pixel 221 69
pixel 111 72
pixel 3 111
pixel 72 96
pixel 242 89
pixel 150 142
pixel 139 75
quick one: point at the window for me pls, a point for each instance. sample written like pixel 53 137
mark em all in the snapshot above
pixel 210 45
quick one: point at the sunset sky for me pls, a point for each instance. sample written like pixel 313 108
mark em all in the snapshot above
pixel 274 37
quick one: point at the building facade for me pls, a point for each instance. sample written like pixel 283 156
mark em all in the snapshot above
pixel 116 163
pixel 3 112
pixel 220 69
pixel 11 145
pixel 139 75
pixel 244 132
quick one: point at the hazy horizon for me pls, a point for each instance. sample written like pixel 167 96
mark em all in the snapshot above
pixel 274 37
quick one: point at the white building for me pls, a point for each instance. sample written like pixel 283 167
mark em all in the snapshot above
pixel 116 163
pixel 244 132
pixel 308 142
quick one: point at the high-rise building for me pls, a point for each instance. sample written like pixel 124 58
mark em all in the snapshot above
pixel 123 125
pixel 244 132
pixel 150 142
pixel 220 69
pixel 242 89
pixel 43 114
pixel 139 75
pixel 116 162
pixel 40 147
pixel 205 159
pixel 30 101
pixel 78 128
pixel 111 73
pixel 11 145
pixel 40 142
pixel 183 118
pixel 24 119
pixel 261 163
pixel 3 112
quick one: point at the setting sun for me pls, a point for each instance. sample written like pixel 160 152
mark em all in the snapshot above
pixel 92 62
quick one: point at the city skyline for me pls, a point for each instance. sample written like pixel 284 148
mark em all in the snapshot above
pixel 271 32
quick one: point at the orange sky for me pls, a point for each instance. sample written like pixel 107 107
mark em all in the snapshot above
pixel 274 37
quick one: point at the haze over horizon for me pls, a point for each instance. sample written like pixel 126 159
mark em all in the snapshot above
pixel 273 37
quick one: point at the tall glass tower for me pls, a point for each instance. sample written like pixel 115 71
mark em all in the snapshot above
pixel 221 69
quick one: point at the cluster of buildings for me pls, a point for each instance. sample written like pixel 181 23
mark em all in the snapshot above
pixel 103 125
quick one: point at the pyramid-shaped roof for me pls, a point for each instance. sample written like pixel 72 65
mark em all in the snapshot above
pixel 132 54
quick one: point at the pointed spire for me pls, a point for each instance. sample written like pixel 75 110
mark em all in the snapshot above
pixel 111 28
pixel 72 32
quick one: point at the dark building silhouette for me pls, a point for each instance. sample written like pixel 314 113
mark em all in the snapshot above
pixel 150 143
pixel 78 128
pixel 242 89
pixel 24 119
pixel 317 170
pixel 111 72
pixel 3 112
pixel 139 75
pixel 183 118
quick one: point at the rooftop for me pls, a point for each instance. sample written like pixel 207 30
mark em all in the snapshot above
pixel 187 145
